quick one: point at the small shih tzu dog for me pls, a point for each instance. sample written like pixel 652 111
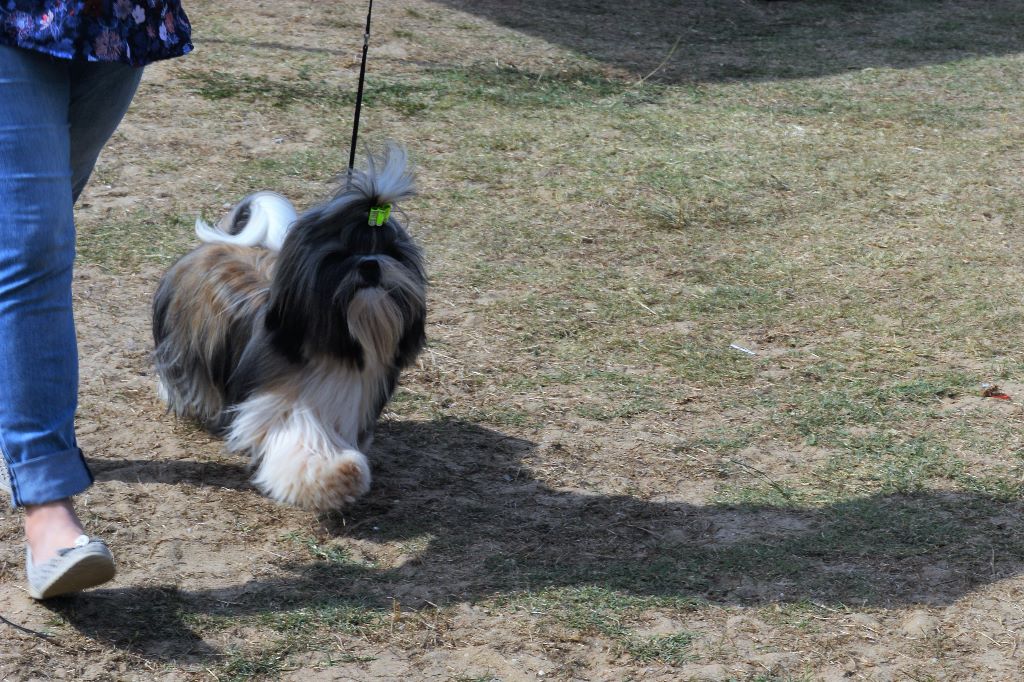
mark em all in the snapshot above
pixel 286 334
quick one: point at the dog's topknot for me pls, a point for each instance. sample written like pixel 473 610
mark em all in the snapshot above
pixel 387 179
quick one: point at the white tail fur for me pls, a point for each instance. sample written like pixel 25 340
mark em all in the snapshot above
pixel 270 215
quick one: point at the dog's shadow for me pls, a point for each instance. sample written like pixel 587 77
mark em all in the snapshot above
pixel 476 524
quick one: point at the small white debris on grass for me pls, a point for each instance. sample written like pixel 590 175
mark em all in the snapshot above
pixel 741 349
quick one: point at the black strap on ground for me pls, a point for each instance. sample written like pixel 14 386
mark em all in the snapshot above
pixel 359 92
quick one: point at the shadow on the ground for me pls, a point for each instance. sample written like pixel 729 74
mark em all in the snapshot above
pixel 234 476
pixel 483 526
pixel 716 40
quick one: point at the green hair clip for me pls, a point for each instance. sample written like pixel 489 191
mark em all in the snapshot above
pixel 379 215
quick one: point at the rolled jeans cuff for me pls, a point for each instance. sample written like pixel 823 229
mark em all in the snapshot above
pixel 49 478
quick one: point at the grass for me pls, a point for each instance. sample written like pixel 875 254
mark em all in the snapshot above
pixel 670 649
pixel 615 616
pixel 143 238
pixel 834 186
pixel 440 89
pixel 244 667
pixel 322 552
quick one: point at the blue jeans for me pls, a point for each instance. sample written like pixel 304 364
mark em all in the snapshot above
pixel 55 116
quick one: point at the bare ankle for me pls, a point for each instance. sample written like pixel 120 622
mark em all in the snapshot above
pixel 50 527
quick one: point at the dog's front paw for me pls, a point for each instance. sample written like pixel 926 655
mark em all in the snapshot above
pixel 298 459
pixel 312 479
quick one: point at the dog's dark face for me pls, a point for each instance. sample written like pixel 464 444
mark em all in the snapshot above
pixel 348 290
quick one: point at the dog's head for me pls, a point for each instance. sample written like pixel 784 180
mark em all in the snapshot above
pixel 349 289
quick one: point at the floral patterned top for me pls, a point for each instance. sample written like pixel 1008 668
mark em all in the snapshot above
pixel 134 32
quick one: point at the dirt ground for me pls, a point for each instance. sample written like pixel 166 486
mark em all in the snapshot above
pixel 569 484
pixel 452 499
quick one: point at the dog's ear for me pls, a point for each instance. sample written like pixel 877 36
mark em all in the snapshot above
pixel 412 342
pixel 258 365
pixel 285 334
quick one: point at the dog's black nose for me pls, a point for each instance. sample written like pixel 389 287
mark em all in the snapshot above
pixel 369 270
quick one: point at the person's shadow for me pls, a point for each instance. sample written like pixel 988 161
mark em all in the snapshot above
pixel 478 524
pixel 715 40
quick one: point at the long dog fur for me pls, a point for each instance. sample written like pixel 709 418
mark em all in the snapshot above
pixel 292 355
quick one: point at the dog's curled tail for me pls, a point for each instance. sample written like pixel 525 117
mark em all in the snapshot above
pixel 260 219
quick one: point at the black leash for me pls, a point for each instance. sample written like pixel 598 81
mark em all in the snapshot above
pixel 378 215
pixel 359 94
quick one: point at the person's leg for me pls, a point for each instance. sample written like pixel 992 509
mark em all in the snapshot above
pixel 100 95
pixel 42 169
pixel 38 362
